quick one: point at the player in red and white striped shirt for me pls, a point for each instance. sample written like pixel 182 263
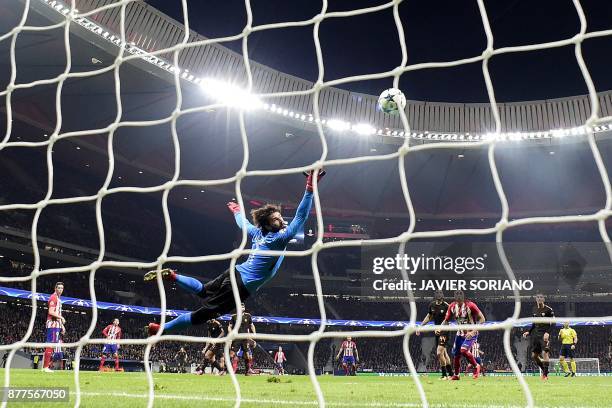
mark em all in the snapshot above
pixel 54 325
pixel 111 332
pixel 279 360
pixel 477 353
pixel 350 357
pixel 464 312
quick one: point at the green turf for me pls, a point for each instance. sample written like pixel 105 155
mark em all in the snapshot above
pixel 185 390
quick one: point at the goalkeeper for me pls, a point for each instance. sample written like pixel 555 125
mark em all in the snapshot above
pixel 270 232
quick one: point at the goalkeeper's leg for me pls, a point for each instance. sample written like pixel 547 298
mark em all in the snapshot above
pixel 186 283
pixel 218 300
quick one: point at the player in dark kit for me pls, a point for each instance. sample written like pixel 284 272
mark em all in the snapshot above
pixel 540 335
pixel 436 313
pixel 215 331
pixel 181 360
pixel 246 346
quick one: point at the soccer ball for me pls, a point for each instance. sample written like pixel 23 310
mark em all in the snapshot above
pixel 391 101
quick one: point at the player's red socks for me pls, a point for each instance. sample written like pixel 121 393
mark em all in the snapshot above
pixel 470 357
pixel 117 363
pixel 102 360
pixel 152 329
pixel 476 371
pixel 457 364
pixel 47 357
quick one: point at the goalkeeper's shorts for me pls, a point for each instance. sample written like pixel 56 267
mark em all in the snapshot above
pixel 218 298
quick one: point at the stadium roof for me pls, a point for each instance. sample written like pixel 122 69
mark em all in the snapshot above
pixel 551 177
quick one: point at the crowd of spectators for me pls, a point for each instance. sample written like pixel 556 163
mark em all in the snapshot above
pixel 138 237
pixel 376 354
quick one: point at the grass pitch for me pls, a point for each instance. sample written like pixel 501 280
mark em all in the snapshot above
pixel 186 390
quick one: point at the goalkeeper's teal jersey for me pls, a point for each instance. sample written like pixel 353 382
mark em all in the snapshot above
pixel 259 269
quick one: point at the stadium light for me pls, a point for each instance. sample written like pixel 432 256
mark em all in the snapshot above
pixel 338 125
pixel 364 129
pixel 234 96
pixel 230 94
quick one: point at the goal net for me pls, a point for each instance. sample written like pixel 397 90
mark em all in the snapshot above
pixel 91 16
pixel 583 366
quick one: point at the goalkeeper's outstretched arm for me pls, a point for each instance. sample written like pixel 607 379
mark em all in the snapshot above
pixel 240 220
pixel 303 210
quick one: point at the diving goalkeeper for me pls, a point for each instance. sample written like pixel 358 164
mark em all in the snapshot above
pixel 270 232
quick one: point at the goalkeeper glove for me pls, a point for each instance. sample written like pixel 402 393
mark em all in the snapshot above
pixel 234 207
pixel 309 174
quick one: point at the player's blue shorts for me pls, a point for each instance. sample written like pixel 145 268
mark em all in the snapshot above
pixel 53 335
pixel 279 366
pixel 58 355
pixel 457 345
pixel 467 343
pixel 461 342
pixel 348 360
pixel 109 349
pixel 478 360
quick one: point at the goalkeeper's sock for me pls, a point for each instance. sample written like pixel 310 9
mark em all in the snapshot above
pixel 565 367
pixel 181 322
pixel 188 284
pixel 443 368
pixel 216 365
pixel 470 357
pixel 573 364
pixel 457 364
pixel 449 370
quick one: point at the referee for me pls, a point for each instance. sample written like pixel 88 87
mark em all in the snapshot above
pixel 569 339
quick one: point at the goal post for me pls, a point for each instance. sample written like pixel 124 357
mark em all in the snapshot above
pixel 72 19
pixel 585 366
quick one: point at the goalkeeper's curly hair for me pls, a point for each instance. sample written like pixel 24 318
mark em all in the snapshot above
pixel 261 215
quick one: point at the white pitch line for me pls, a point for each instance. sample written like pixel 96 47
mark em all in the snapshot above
pixel 282 402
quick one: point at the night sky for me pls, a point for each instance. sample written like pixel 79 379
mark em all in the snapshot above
pixel 435 30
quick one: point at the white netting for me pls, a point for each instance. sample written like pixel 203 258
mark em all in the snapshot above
pixel 583 365
pixel 71 14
